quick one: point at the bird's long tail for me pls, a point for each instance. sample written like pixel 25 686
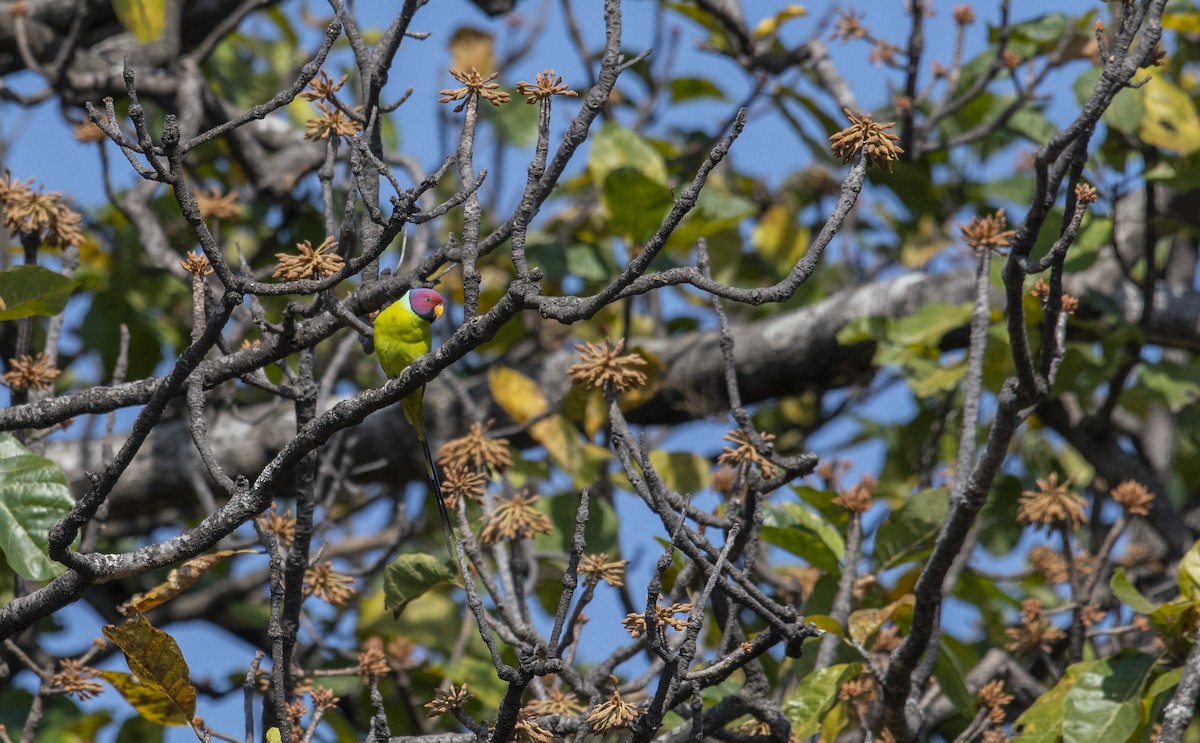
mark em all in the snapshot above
pixel 431 470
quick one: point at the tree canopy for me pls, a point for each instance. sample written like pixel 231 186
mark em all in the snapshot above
pixel 805 376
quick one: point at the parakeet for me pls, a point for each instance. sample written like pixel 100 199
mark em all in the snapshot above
pixel 402 335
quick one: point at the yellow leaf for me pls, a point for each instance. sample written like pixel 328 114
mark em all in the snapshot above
pixel 1184 23
pixel 149 701
pixel 1171 122
pixel 825 622
pixel 780 238
pixel 636 397
pixel 273 736
pixel 595 412
pixel 470 47
pixel 866 622
pixel 145 19
pixel 516 393
pixel 155 658
pixel 178 581
pixel 769 26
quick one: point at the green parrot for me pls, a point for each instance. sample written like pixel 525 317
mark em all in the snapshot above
pixel 402 335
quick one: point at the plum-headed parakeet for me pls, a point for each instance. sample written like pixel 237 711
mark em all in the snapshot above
pixel 402 335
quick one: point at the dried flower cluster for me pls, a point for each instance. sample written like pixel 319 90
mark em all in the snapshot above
pixel 1049 562
pixel 88 131
pixel 475 450
pixel 40 213
pixel 1133 497
pixel 545 84
pixel 448 700
pixel 460 482
pixel 848 26
pixel 635 624
pixel 333 122
pixel 323 87
pixel 1052 504
pixel 196 264
pixel 743 451
pixel 474 84
pixel 858 498
pixel 1086 194
pixel 327 584
pixel 282 525
pixel 557 702
pixel 598 568
pixel 884 53
pixel 294 711
pixel 215 205
pixel 1034 632
pixel 1041 290
pixel 964 15
pixel 312 263
pixel 527 731
pixel 372 661
pixel 31 373
pixel 612 714
pixel 993 696
pixel 605 365
pixel 515 518
pixel 865 132
pixel 860 690
pixel 989 233
pixel 75 678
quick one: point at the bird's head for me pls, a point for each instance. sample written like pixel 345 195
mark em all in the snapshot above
pixel 426 304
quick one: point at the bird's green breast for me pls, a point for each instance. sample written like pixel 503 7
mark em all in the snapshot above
pixel 400 338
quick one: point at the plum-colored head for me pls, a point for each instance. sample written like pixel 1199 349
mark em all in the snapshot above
pixel 425 304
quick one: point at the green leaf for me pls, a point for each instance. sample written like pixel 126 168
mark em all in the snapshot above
pixel 410 575
pixel 928 325
pixel 798 530
pixel 1165 682
pixel 600 534
pixel 1189 574
pixel 1183 22
pixel 813 697
pixel 684 472
pixel 33 290
pixel 636 203
pixel 1130 596
pixel 145 19
pixel 908 532
pixel 1178 385
pixel 1043 721
pixel 613 148
pixel 691 88
pixel 864 623
pixel 155 658
pixel 34 496
pixel 1104 703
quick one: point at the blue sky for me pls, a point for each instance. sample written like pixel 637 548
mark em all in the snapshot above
pixel 41 146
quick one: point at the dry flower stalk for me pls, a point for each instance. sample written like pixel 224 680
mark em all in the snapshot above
pixel 993 696
pixel 605 365
pixel 989 233
pixel 283 525
pixel 1052 504
pixel 848 26
pixel 546 84
pixel 196 264
pixel 1034 632
pixel 327 584
pixel 635 624
pixel 323 87
pixel 333 122
pixel 75 679
pixel 1049 562
pixel 557 702
pixel 40 213
pixel 858 498
pixel 372 661
pixel 460 482
pixel 743 451
pixel 598 568
pixel 312 263
pixel 31 372
pixel 865 132
pixel 515 518
pixel 448 700
pixel 1133 497
pixel 474 84
pixel 614 713
pixel 215 205
pixel 476 450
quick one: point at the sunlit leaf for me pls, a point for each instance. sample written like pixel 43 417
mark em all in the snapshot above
pixel 1171 121
pixel 145 19
pixel 813 697
pixel 34 496
pixel 33 290
pixel 412 574
pixel 1185 22
pixel 691 88
pixel 684 472
pixel 1043 721
pixel 1104 702
pixel 1189 574
pixel 155 658
pixel 635 202
pixel 1129 595
pixel 516 393
pixel 471 48
pixel 613 147
pixel 770 25
pixel 864 623
pixel 151 702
